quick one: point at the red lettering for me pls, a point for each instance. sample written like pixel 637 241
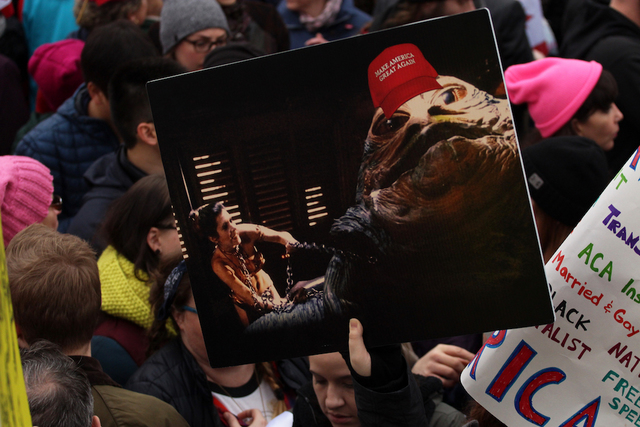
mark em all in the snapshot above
pixel 588 413
pixel 511 370
pixel 524 398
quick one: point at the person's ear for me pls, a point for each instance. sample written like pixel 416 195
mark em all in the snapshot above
pixel 179 317
pixel 95 421
pixel 147 133
pixel 213 239
pixel 153 239
pixel 22 343
pixel 576 126
pixel 133 18
pixel 96 94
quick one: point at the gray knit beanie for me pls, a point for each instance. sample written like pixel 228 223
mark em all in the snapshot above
pixel 179 18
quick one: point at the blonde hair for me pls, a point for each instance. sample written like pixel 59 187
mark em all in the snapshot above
pixel 266 372
pixel 89 15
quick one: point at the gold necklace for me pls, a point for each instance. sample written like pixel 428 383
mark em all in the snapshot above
pixel 231 252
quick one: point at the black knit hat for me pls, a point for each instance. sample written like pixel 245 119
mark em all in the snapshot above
pixel 566 175
pixel 232 52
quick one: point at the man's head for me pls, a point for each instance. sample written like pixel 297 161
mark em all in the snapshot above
pixel 108 47
pixel 59 392
pixel 130 109
pixel 333 386
pixel 55 287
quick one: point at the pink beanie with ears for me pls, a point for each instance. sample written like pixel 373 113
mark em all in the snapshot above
pixel 26 188
pixel 553 89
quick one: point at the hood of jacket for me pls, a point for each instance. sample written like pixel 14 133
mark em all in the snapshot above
pixel 112 170
pixel 587 22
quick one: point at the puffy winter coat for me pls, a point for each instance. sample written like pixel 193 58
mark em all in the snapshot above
pixel 68 143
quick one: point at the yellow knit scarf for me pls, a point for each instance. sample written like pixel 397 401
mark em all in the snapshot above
pixel 123 294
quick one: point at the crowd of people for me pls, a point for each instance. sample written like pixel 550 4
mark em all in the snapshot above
pixel 101 297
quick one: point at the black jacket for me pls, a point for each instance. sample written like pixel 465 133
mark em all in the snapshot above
pixel 174 376
pixel 593 31
pixel 109 177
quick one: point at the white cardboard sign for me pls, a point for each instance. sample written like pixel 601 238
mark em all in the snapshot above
pixel 584 369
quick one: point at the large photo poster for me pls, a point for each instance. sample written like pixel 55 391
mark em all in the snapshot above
pixel 376 177
pixel 583 369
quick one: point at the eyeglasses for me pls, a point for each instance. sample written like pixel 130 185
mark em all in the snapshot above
pixel 205 45
pixel 191 309
pixel 56 202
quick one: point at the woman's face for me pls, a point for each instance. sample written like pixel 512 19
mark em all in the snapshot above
pixel 601 126
pixel 170 243
pixel 51 220
pixel 191 333
pixel 227 232
pixel 192 50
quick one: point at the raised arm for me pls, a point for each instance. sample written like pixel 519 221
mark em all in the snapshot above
pixel 385 393
pixel 258 233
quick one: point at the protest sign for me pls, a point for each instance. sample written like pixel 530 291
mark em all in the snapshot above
pixel 536 26
pixel 385 164
pixel 583 369
pixel 14 407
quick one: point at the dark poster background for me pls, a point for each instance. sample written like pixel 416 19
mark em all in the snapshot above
pixel 279 140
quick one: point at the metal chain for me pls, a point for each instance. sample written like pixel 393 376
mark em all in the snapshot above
pixel 321 249
pixel 286 306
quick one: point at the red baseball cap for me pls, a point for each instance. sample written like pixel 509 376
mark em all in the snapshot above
pixel 398 74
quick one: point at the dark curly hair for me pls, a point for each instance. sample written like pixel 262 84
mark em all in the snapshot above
pixel 89 15
pixel 205 219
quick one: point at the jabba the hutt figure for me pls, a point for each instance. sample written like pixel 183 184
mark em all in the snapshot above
pixel 439 206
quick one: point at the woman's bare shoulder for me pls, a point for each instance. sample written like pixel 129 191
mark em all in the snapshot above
pixel 219 263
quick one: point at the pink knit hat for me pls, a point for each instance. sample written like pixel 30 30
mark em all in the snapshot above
pixel 553 89
pixel 55 67
pixel 26 187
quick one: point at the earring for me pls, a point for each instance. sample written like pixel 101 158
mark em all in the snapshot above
pixel 157 252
